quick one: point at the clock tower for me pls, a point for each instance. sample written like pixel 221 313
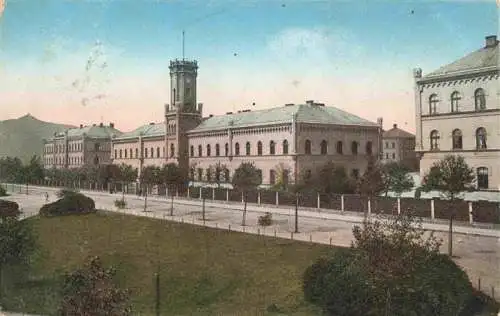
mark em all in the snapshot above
pixel 183 113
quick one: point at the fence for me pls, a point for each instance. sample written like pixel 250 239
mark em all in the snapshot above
pixel 467 211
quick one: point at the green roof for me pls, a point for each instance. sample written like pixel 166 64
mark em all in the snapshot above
pixel 149 130
pixel 482 59
pixel 91 131
pixel 305 113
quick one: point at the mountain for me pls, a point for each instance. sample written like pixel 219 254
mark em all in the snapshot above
pixel 23 137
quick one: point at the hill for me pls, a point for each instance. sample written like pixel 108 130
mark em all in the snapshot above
pixel 22 137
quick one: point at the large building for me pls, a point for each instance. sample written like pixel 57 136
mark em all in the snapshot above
pixel 79 147
pixel 458 112
pixel 399 146
pixel 283 142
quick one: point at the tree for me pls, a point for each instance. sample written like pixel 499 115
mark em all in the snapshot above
pixel 17 240
pixel 91 292
pixel 217 171
pixel 332 179
pixel 128 174
pixel 396 178
pixel 282 179
pixel 150 176
pixel 451 177
pixel 34 170
pixel 372 181
pixel 173 178
pixel 246 177
pixel 11 170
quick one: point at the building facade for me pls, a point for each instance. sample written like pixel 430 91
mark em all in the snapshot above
pixel 458 112
pixel 399 146
pixel 283 142
pixel 79 147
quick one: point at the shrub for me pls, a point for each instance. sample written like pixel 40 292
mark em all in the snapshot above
pixel 72 203
pixel 266 220
pixel 120 203
pixel 3 192
pixel 66 192
pixel 9 209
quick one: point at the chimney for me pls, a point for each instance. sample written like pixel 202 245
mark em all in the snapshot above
pixel 380 122
pixel 491 41
pixel 152 123
pixel 112 125
pixel 394 125
pixel 81 125
pixel 289 104
pixel 211 115
pixel 310 102
pixel 229 113
pixel 101 124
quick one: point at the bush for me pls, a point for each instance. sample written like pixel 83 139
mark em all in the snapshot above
pixel 9 209
pixel 266 220
pixel 70 203
pixel 66 192
pixel 3 192
pixel 120 203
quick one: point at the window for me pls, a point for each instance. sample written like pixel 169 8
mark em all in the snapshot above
pixel 354 148
pixel 339 147
pixel 172 150
pixel 393 145
pixel 247 148
pixel 433 102
pixel 164 155
pixel 157 152
pixel 272 147
pixel 308 174
pixel 481 138
pixel 480 99
pixel 97 147
pixel 121 153
pixel 175 96
pixel 272 177
pixel 393 155
pixel 285 147
pixel 116 153
pixel 434 140
pixel 191 151
pixel 324 147
pixel 259 148
pixel 237 149
pixel 200 151
pixel 308 147
pixel 482 178
pixel 456 139
pixel 145 152
pixel 455 99
pixel 152 151
pixel 125 153
pixel 386 145
pixel 130 153
pixel 369 148
pixel 209 150
pixel 226 149
pixel 217 150
pixel 200 174
pixel 137 153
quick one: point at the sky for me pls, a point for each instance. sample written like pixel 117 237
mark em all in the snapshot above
pixel 90 61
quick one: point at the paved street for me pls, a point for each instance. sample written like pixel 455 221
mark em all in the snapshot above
pixel 478 255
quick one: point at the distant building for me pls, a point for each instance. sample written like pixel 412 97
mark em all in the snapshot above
pixel 284 142
pixel 458 112
pixel 78 147
pixel 399 146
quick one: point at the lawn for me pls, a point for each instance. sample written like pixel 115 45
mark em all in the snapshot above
pixel 203 271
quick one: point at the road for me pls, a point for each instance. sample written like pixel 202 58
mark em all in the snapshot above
pixel 476 250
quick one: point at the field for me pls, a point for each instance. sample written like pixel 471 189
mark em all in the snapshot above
pixel 203 271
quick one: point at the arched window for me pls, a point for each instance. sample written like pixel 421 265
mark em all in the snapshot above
pixel 200 151
pixel 237 149
pixel 226 149
pixel 340 149
pixel 152 151
pixel 285 147
pixel 172 150
pixel 272 177
pixel 259 148
pixel 434 137
pixel 482 178
pixel 369 148
pixel 191 151
pixel 157 152
pixel 217 150
pixel 125 153
pixel 163 152
pixel 175 96
pixel 307 147
pixel 354 148
pixel 480 99
pixel 433 103
pixel 455 100
pixel 247 148
pixel 137 153
pixel 324 147
pixel 272 147
pixel 116 153
pixel 209 151
pixel 130 153
pixel 481 138
pixel 457 139
pixel 121 153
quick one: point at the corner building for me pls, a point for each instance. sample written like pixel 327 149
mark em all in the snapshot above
pixel 458 112
pixel 284 142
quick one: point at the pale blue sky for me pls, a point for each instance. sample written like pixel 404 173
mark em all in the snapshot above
pixel 354 55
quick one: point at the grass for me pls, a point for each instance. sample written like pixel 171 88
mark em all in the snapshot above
pixel 203 271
